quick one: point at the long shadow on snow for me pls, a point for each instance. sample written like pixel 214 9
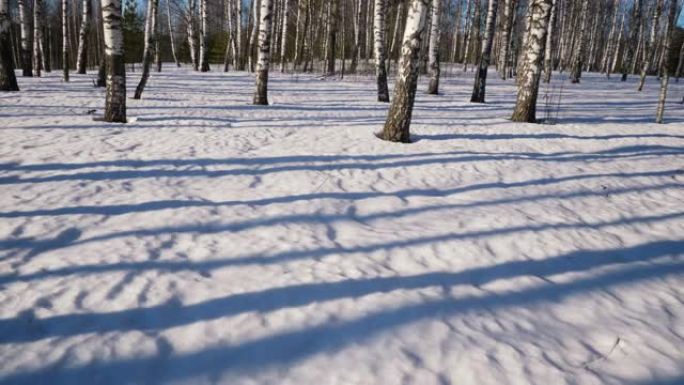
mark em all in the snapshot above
pixel 294 255
pixel 442 158
pixel 291 346
pixel 121 209
pixel 549 135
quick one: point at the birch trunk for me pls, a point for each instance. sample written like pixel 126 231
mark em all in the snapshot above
pixel 380 51
pixel 433 86
pixel 25 20
pixel 664 80
pixel 610 47
pixel 505 38
pixel 37 37
pixel 115 103
pixel 204 38
pixel 256 21
pixel 82 59
pixel 589 65
pixel 300 33
pixel 150 41
pixel 548 56
pixel 171 36
pixel 8 79
pixel 398 122
pixel 633 39
pixel 457 31
pixel 648 48
pixel 466 31
pixel 480 86
pixel 539 12
pixel 192 33
pixel 265 29
pixel 576 72
pixel 618 46
pixel 65 41
pixel 283 39
pixel 355 55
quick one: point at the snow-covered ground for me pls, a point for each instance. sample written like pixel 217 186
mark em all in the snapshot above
pixel 211 241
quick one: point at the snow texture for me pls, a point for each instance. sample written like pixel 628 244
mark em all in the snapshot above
pixel 212 241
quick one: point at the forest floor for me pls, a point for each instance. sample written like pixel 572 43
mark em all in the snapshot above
pixel 212 241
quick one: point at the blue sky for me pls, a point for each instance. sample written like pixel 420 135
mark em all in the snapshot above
pixel 680 20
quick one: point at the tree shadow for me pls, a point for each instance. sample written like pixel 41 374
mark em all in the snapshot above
pixel 653 260
pixel 329 163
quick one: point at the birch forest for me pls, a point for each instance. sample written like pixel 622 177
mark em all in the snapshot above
pixel 410 192
pixel 345 37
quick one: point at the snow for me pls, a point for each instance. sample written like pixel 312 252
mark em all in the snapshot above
pixel 212 241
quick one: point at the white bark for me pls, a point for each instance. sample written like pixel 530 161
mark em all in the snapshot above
pixel 65 41
pixel 204 54
pixel 37 37
pixel 171 35
pixel 25 20
pixel 548 56
pixel 576 72
pixel 664 80
pixel 115 105
pixel 648 48
pixel 531 62
pixel 398 122
pixel 283 39
pixel 264 54
pixel 380 50
pixel 83 38
pixel 435 32
pixel 505 38
pixel 150 42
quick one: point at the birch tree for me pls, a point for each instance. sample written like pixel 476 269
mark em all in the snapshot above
pixel 529 72
pixel 150 42
pixel 548 57
pixel 356 49
pixel 665 78
pixel 65 40
pixel 115 103
pixel 479 88
pixel 263 60
pixel 204 53
pixel 576 72
pixel 37 37
pixel 435 32
pixel 649 47
pixel 611 44
pixel 192 33
pixel 25 21
pixel 8 79
pixel 82 55
pixel 255 32
pixel 505 38
pixel 171 35
pixel 380 50
pixel 396 128
pixel 283 39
